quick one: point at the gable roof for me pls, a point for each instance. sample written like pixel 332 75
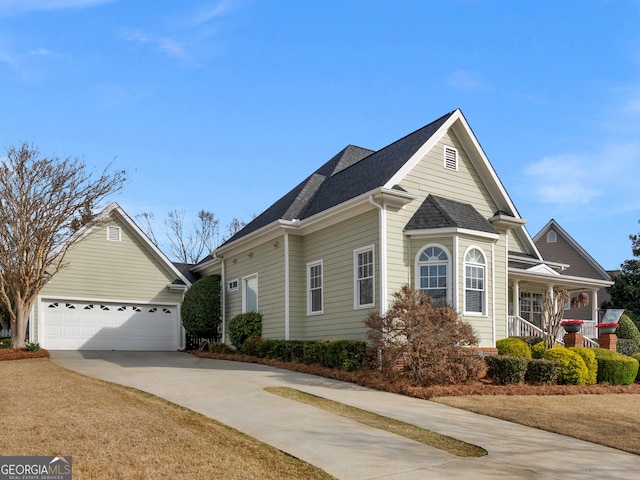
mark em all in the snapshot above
pixel 115 210
pixel 352 172
pixel 439 212
pixel 553 225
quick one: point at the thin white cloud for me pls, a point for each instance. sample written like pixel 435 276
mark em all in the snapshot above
pixel 45 52
pixel 168 46
pixel 465 81
pixel 210 12
pixel 580 179
pixel 14 7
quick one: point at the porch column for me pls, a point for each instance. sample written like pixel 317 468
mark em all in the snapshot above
pixel 594 306
pixel 516 298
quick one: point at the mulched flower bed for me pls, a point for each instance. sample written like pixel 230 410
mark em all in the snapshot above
pixel 372 379
pixel 21 354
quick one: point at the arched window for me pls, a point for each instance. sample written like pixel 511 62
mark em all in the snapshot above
pixel 474 281
pixel 432 272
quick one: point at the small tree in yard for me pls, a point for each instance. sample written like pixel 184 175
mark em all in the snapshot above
pixel 201 311
pixel 423 343
pixel 42 201
pixel 553 310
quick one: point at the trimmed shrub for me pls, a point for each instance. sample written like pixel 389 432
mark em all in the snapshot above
pixel 313 352
pixel 5 342
pixel 615 368
pixel 590 361
pixel 628 330
pixel 201 311
pixel 537 351
pixel 540 370
pixel 514 347
pixel 637 357
pixel 573 370
pixel 346 355
pixel 219 347
pixel 244 326
pixel 531 340
pixel 627 346
pixel 506 369
pixel 255 347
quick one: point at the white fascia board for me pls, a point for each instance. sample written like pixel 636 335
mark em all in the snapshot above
pixel 155 251
pixel 438 232
pixel 559 280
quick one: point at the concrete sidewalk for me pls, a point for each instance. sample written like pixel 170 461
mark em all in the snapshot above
pixel 233 393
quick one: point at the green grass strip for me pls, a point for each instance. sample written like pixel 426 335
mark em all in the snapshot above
pixel 406 430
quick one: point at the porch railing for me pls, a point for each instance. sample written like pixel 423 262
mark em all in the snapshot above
pixel 519 327
pixel 5 332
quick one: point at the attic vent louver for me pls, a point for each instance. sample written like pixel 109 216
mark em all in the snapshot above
pixel 113 234
pixel 450 158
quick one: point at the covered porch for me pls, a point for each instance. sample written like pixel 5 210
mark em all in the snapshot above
pixel 527 285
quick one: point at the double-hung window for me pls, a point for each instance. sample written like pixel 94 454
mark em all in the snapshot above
pixel 314 288
pixel 432 274
pixel 475 282
pixel 364 277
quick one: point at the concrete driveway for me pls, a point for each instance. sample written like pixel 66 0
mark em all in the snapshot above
pixel 233 393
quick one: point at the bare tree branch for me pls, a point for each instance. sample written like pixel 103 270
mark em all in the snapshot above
pixel 42 202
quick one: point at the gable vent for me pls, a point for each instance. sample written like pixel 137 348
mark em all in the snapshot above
pixel 113 234
pixel 450 158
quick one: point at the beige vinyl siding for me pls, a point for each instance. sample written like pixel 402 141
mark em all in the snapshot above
pixel 103 269
pixel 297 288
pixel 334 246
pixel 267 261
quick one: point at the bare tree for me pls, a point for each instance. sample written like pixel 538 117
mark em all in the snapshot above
pixel 186 245
pixel 42 201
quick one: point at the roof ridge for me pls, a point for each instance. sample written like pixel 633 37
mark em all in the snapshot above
pixel 308 191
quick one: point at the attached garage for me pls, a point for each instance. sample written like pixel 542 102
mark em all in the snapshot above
pixel 116 291
pixel 98 325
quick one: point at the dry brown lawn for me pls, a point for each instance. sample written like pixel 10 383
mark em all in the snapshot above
pixel 117 432
pixel 608 419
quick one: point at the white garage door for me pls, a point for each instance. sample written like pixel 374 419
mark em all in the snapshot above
pixel 75 325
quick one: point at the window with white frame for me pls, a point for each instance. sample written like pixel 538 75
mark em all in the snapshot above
pixel 314 288
pixel 475 282
pixel 232 285
pixel 364 277
pixel 250 293
pixel 432 273
pixel 450 158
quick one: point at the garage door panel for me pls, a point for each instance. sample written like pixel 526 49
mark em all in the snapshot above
pixel 109 326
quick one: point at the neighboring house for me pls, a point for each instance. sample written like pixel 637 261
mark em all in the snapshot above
pixel 116 292
pixel 427 210
pixel 555 242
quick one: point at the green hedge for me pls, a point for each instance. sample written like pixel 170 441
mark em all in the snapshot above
pixel 537 351
pixel 637 357
pixel 627 346
pixel 615 368
pixel 573 371
pixel 244 326
pixel 628 330
pixel 590 361
pixel 513 347
pixel 540 370
pixel 339 354
pixel 506 369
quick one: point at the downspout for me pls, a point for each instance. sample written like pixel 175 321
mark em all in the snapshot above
pixel 286 285
pixel 223 286
pixel 383 253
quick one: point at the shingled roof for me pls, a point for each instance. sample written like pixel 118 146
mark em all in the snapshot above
pixel 352 172
pixel 439 212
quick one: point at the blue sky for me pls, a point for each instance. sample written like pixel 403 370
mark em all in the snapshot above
pixel 226 105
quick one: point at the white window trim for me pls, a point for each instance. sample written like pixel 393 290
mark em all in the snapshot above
pixel 456 159
pixel 244 294
pixel 233 285
pixel 356 280
pixel 417 264
pixel 485 280
pixel 110 236
pixel 309 265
